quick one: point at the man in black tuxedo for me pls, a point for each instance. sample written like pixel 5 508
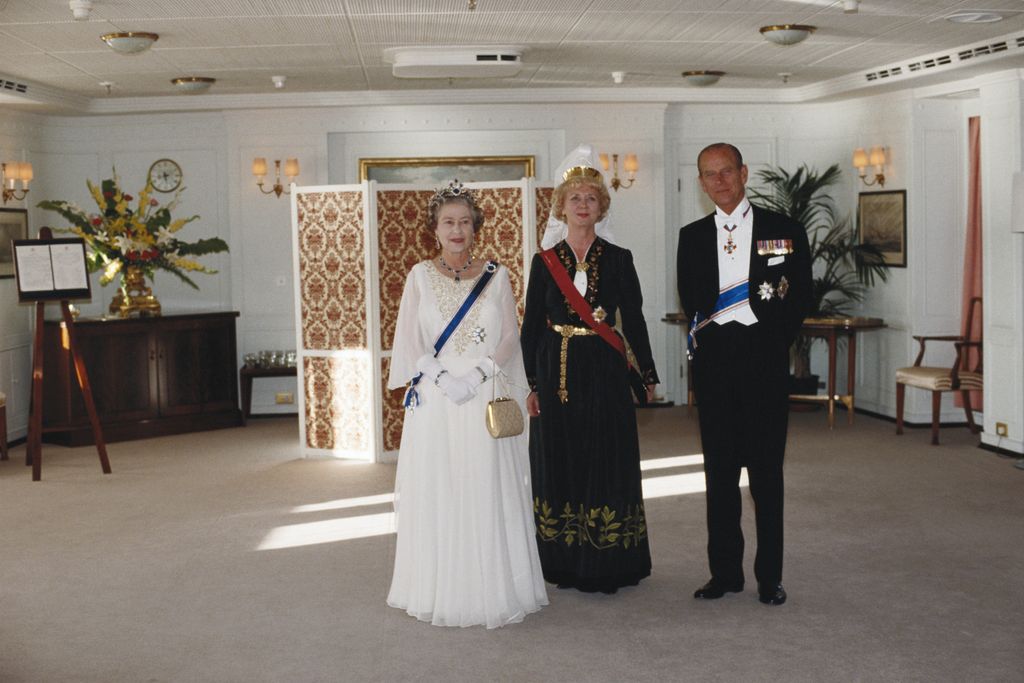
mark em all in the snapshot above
pixel 744 277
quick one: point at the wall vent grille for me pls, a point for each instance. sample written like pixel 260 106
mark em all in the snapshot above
pixel 983 50
pixel 947 60
pixel 12 85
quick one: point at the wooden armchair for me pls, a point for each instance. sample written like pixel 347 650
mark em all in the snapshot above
pixel 958 377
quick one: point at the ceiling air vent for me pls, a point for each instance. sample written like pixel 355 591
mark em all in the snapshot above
pixel 982 50
pixel 11 85
pixel 884 73
pixel 454 62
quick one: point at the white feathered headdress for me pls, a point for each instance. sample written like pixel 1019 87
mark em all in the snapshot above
pixel 583 157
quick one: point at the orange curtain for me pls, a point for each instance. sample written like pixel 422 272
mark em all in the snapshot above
pixel 972 250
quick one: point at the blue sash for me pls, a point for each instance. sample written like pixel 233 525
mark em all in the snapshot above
pixel 412 398
pixel 730 297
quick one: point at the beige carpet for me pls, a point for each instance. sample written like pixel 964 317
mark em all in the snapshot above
pixel 904 562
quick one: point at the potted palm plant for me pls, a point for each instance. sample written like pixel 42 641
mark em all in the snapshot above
pixel 843 268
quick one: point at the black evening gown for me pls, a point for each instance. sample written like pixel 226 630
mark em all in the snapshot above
pixel 584 454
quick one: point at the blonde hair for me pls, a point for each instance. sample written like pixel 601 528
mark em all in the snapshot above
pixel 574 182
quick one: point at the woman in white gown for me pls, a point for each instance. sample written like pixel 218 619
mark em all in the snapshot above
pixel 465 553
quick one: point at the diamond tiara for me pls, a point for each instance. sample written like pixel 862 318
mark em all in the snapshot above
pixel 455 190
pixel 583 172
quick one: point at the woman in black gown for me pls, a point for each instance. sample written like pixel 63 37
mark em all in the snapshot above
pixel 584 454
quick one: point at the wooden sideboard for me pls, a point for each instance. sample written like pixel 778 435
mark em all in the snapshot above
pixel 149 376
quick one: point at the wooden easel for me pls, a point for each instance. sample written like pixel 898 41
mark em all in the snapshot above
pixel 34 451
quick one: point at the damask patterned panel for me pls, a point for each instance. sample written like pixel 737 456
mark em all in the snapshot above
pixel 331 270
pixel 542 197
pixel 339 404
pixel 403 240
pixel 394 413
pixel 501 238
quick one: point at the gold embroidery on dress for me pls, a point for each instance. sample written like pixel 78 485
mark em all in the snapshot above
pixel 450 295
pixel 591 266
pixel 597 527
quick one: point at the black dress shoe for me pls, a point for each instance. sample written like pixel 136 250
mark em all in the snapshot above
pixel 712 590
pixel 771 594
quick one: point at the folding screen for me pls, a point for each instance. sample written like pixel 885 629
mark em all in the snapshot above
pixel 353 246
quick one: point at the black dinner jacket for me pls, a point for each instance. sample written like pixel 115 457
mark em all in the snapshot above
pixel 697 272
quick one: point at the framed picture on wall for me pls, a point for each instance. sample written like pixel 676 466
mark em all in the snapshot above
pixel 882 223
pixel 441 170
pixel 13 226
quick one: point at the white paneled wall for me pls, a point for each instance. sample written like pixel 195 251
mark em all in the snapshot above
pixel 1002 149
pixel 925 138
pixel 20 138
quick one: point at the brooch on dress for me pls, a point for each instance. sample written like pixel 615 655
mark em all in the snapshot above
pixel 478 334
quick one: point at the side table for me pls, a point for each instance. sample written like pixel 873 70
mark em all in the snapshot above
pixel 829 329
pixel 245 377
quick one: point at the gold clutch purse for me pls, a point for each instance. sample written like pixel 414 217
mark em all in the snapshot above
pixel 504 416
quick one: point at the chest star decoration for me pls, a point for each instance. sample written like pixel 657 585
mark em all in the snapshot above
pixel 766 291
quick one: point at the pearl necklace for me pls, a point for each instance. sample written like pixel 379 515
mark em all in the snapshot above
pixel 454 272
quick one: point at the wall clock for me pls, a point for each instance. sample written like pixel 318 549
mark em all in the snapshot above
pixel 165 175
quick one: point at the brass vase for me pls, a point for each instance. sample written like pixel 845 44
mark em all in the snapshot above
pixel 134 298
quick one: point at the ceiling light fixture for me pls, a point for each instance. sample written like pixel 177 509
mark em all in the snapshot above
pixel 850 6
pixel 278 81
pixel 129 42
pixel 703 78
pixel 787 34
pixel 80 9
pixel 974 17
pixel 193 84
pixel 618 77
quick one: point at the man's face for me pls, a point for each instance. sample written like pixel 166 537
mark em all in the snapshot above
pixel 720 178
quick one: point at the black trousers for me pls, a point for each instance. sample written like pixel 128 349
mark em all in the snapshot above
pixel 741 377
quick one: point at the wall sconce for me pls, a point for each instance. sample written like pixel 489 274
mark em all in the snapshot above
pixel 10 171
pixel 629 164
pixel 259 169
pixel 861 160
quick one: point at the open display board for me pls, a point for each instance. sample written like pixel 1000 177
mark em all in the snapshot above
pixel 51 269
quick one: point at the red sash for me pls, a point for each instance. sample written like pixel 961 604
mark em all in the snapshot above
pixel 586 314
pixel 579 304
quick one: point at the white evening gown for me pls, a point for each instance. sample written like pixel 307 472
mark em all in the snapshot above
pixel 466 552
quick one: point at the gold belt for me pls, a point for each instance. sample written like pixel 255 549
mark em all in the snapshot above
pixel 567 332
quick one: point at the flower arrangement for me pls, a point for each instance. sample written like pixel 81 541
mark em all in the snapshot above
pixel 122 236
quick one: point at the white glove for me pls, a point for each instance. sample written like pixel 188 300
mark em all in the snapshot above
pixel 429 366
pixel 457 389
pixel 475 377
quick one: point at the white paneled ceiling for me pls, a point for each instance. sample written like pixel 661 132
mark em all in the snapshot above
pixel 337 45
